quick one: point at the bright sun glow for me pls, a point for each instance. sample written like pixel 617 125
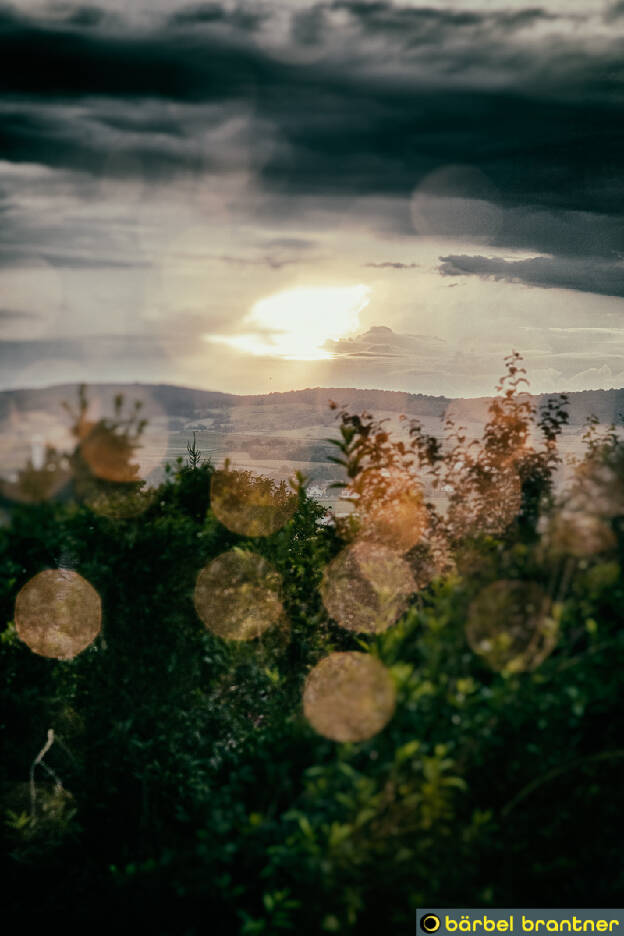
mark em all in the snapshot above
pixel 297 324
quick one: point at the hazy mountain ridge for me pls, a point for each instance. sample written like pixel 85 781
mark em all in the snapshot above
pixel 275 434
pixel 189 403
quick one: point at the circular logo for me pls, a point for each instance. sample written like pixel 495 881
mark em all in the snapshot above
pixel 429 923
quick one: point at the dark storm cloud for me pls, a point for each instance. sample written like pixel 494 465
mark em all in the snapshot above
pixel 292 243
pixel 91 354
pixel 382 140
pixel 22 255
pixel 615 11
pixel 574 233
pixel 342 130
pixel 11 315
pixel 74 262
pixel 242 17
pixel 274 263
pixel 126 62
pixel 588 274
pixel 144 123
pixel 56 137
pixel 392 265
pixel 429 24
pixel 308 27
pixel 83 16
pixel 540 117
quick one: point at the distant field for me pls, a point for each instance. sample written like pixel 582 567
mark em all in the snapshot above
pixel 272 455
pixel 276 434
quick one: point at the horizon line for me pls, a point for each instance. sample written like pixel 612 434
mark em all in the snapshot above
pixel 226 393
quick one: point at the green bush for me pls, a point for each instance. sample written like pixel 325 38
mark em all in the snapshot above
pixel 201 797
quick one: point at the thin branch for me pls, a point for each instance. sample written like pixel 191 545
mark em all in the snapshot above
pixel 555 772
pixel 38 761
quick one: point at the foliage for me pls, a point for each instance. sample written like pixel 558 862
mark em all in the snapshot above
pixel 199 793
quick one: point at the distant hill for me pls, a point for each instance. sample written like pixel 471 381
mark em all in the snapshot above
pixel 188 404
pixel 275 434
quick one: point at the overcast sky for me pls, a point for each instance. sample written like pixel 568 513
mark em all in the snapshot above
pixel 273 195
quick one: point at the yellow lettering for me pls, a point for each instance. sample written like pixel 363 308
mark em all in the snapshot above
pixel 613 923
pixel 527 925
pixel 502 926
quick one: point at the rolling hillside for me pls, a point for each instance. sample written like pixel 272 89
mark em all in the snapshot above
pixel 276 433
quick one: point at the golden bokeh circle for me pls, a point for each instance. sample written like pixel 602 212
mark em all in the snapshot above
pixel 398 523
pixel 367 587
pixel 58 614
pixel 34 465
pixel 488 505
pixel 115 501
pixel 237 595
pixel 250 505
pixel 457 201
pixel 580 533
pixel 510 627
pixel 349 696
pixel 122 439
pixel 32 485
pixel 597 488
pixel 390 509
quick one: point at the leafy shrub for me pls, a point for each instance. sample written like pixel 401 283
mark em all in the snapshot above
pixel 199 791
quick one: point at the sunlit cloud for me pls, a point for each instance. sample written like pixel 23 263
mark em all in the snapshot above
pixel 297 324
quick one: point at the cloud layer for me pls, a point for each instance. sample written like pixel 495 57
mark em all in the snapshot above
pixel 173 163
pixel 588 274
